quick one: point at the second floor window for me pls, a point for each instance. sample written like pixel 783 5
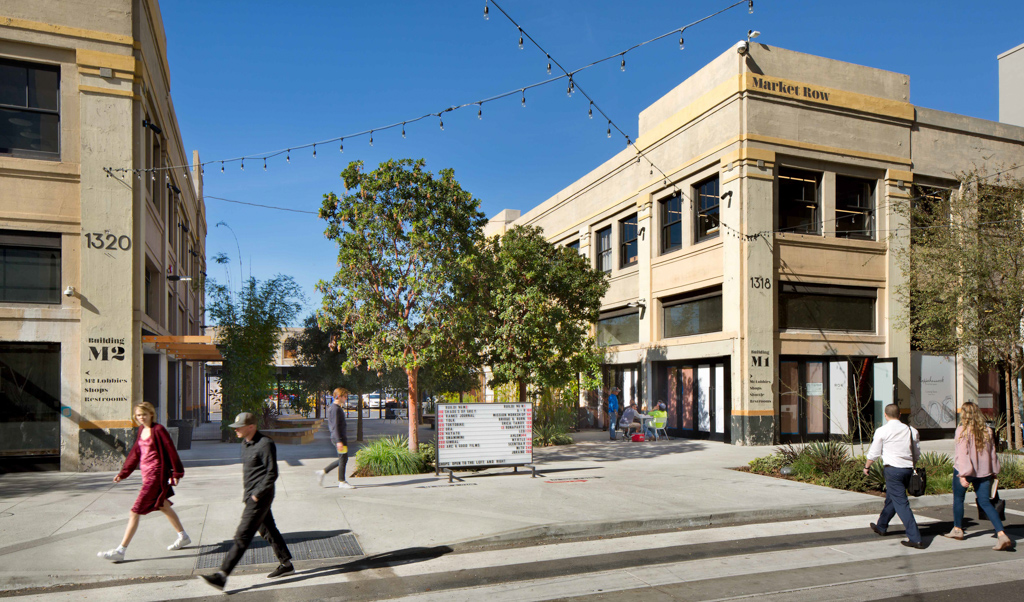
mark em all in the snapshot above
pixel 604 249
pixel 855 207
pixel 671 224
pixel 799 203
pixel 627 234
pixel 707 209
pixel 30 267
pixel 29 109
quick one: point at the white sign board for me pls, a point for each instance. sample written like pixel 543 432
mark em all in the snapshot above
pixel 933 391
pixel 484 434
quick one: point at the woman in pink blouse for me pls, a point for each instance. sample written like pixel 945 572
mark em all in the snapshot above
pixel 975 463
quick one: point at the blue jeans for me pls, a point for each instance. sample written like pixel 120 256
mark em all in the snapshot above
pixel 983 491
pixel 896 502
pixel 613 419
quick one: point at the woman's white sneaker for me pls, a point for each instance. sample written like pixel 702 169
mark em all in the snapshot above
pixel 344 485
pixel 180 543
pixel 114 555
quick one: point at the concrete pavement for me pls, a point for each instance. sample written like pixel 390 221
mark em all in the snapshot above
pixel 52 524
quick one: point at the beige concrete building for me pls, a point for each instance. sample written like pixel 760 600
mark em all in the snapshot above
pixel 92 261
pixel 749 248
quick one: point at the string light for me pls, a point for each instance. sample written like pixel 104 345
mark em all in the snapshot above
pixel 680 39
pixel 590 111
pixel 480 111
pixel 750 7
pixel 622 66
pixel 524 96
pixel 487 16
pixel 572 87
pixel 520 38
pixel 440 121
pixel 549 64
pixel 609 128
pixel 314 151
pixel 371 137
pixel 243 164
pixel 221 167
pixel 288 157
pixel 341 145
pixel 264 164
pixel 403 129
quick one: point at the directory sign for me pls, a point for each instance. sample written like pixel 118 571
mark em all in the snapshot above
pixel 484 434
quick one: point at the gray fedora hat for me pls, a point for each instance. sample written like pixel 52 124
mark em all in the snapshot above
pixel 243 419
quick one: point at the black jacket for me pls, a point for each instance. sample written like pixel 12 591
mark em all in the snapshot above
pixel 259 466
pixel 336 422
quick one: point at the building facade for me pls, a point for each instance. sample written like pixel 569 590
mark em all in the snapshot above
pixel 92 260
pixel 750 246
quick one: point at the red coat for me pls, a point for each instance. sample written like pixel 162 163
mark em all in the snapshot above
pixel 170 464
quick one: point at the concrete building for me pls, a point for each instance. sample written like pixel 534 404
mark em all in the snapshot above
pixel 93 261
pixel 749 249
pixel 1011 86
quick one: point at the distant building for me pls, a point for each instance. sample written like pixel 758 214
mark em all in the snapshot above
pixel 93 261
pixel 1011 86
pixel 751 266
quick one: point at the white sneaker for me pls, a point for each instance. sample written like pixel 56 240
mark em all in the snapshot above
pixel 180 543
pixel 320 477
pixel 344 485
pixel 114 555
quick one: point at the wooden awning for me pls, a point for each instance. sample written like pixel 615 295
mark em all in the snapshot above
pixel 188 348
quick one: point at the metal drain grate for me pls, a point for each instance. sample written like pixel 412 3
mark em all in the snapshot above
pixel 302 547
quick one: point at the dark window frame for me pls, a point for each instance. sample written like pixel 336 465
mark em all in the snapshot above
pixel 629 242
pixel 826 292
pixel 787 179
pixel 854 211
pixel 39 241
pixel 708 203
pixel 688 298
pixel 671 222
pixel 618 313
pixel 29 153
pixel 603 253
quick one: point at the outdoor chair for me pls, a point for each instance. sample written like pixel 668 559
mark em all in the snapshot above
pixel 659 425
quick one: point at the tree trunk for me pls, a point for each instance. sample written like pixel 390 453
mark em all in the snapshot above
pixel 359 418
pixel 1009 408
pixel 522 390
pixel 414 423
pixel 1015 402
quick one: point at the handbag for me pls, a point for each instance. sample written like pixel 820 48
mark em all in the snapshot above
pixel 918 482
pixel 997 502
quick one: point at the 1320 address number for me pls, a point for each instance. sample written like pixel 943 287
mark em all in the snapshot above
pixel 109 242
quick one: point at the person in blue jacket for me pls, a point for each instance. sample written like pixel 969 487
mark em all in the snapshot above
pixel 613 410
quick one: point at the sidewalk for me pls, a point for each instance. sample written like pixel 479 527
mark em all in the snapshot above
pixel 52 524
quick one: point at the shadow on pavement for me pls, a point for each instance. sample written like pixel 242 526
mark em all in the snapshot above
pixel 293 538
pixel 617 451
pixel 16 485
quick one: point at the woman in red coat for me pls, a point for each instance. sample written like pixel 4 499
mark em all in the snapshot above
pixel 154 454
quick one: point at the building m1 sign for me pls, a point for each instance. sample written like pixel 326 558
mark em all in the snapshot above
pixel 484 435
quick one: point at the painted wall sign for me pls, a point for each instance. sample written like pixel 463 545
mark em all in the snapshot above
pixel 484 434
pixel 783 87
pixel 759 386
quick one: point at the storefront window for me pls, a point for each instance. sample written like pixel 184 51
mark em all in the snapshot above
pixel 693 314
pixel 619 329
pixel 818 307
pixel 29 399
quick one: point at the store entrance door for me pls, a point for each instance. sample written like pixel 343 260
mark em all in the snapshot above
pixel 696 395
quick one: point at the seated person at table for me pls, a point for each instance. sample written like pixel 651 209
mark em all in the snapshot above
pixel 632 415
pixel 657 415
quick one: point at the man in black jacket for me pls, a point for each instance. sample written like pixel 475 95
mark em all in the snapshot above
pixel 336 422
pixel 259 466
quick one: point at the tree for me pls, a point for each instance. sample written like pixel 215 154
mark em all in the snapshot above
pixel 249 326
pixel 403 293
pixel 541 304
pixel 964 272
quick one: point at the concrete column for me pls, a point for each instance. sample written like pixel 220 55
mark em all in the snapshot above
pixel 827 197
pixel 892 310
pixel 161 410
pixel 645 233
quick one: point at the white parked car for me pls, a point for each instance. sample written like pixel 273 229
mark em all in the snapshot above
pixel 374 401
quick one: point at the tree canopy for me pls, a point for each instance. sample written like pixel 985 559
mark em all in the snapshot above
pixel 402 294
pixel 964 271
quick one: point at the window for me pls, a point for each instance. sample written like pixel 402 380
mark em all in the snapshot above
pixel 929 208
pixel 574 245
pixel 799 204
pixel 819 307
pixel 29 267
pixel 707 209
pixel 620 327
pixel 627 238
pixel 29 109
pixel 30 399
pixel 855 207
pixel 604 249
pixel 694 313
pixel 671 224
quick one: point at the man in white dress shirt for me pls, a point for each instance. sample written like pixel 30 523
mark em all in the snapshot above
pixel 899 446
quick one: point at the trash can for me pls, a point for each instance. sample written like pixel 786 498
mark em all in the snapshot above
pixel 184 433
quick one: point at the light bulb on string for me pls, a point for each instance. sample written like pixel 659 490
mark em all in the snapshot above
pixel 590 111
pixel 403 129
pixel 341 145
pixel 440 122
pixel 571 88
pixel 153 176
pixel 314 151
pixel 750 7
pixel 479 111
pixel 371 137
pixel 549 64
pixel 609 129
pixel 264 164
pixel 221 167
pixel 288 156
pixel 680 41
pixel 523 91
pixel 520 38
pixel 243 164
pixel 487 15
pixel 622 65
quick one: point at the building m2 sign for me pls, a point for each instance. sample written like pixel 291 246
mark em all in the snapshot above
pixel 484 434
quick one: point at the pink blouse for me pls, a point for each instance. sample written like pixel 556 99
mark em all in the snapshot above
pixel 969 462
pixel 150 461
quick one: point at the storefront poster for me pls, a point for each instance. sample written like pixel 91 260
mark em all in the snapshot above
pixel 933 394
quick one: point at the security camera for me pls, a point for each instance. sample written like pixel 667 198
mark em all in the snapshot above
pixel 742 46
pixel 69 291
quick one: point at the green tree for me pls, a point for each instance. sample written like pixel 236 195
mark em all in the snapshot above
pixel 403 293
pixel 541 304
pixel 249 326
pixel 964 274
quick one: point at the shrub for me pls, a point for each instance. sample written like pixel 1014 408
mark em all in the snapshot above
pixel 550 434
pixel 1011 473
pixel 387 456
pixel 789 453
pixel 849 476
pixel 935 460
pixel 768 465
pixel 803 468
pixel 876 476
pixel 827 457
pixel 428 456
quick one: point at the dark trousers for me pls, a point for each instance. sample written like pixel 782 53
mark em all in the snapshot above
pixel 340 464
pixel 896 502
pixel 256 517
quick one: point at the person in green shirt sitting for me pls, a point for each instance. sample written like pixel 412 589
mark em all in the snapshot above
pixel 660 416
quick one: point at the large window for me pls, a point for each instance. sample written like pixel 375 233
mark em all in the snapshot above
pixel 671 224
pixel 707 209
pixel 818 307
pixel 627 236
pixel 693 313
pixel 855 207
pixel 604 249
pixel 29 109
pixel 29 267
pixel 799 203
pixel 620 327
pixel 929 209
pixel 30 386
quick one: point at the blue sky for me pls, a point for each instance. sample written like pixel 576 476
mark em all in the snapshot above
pixel 253 76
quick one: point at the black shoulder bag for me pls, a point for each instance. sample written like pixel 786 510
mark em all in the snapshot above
pixel 919 479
